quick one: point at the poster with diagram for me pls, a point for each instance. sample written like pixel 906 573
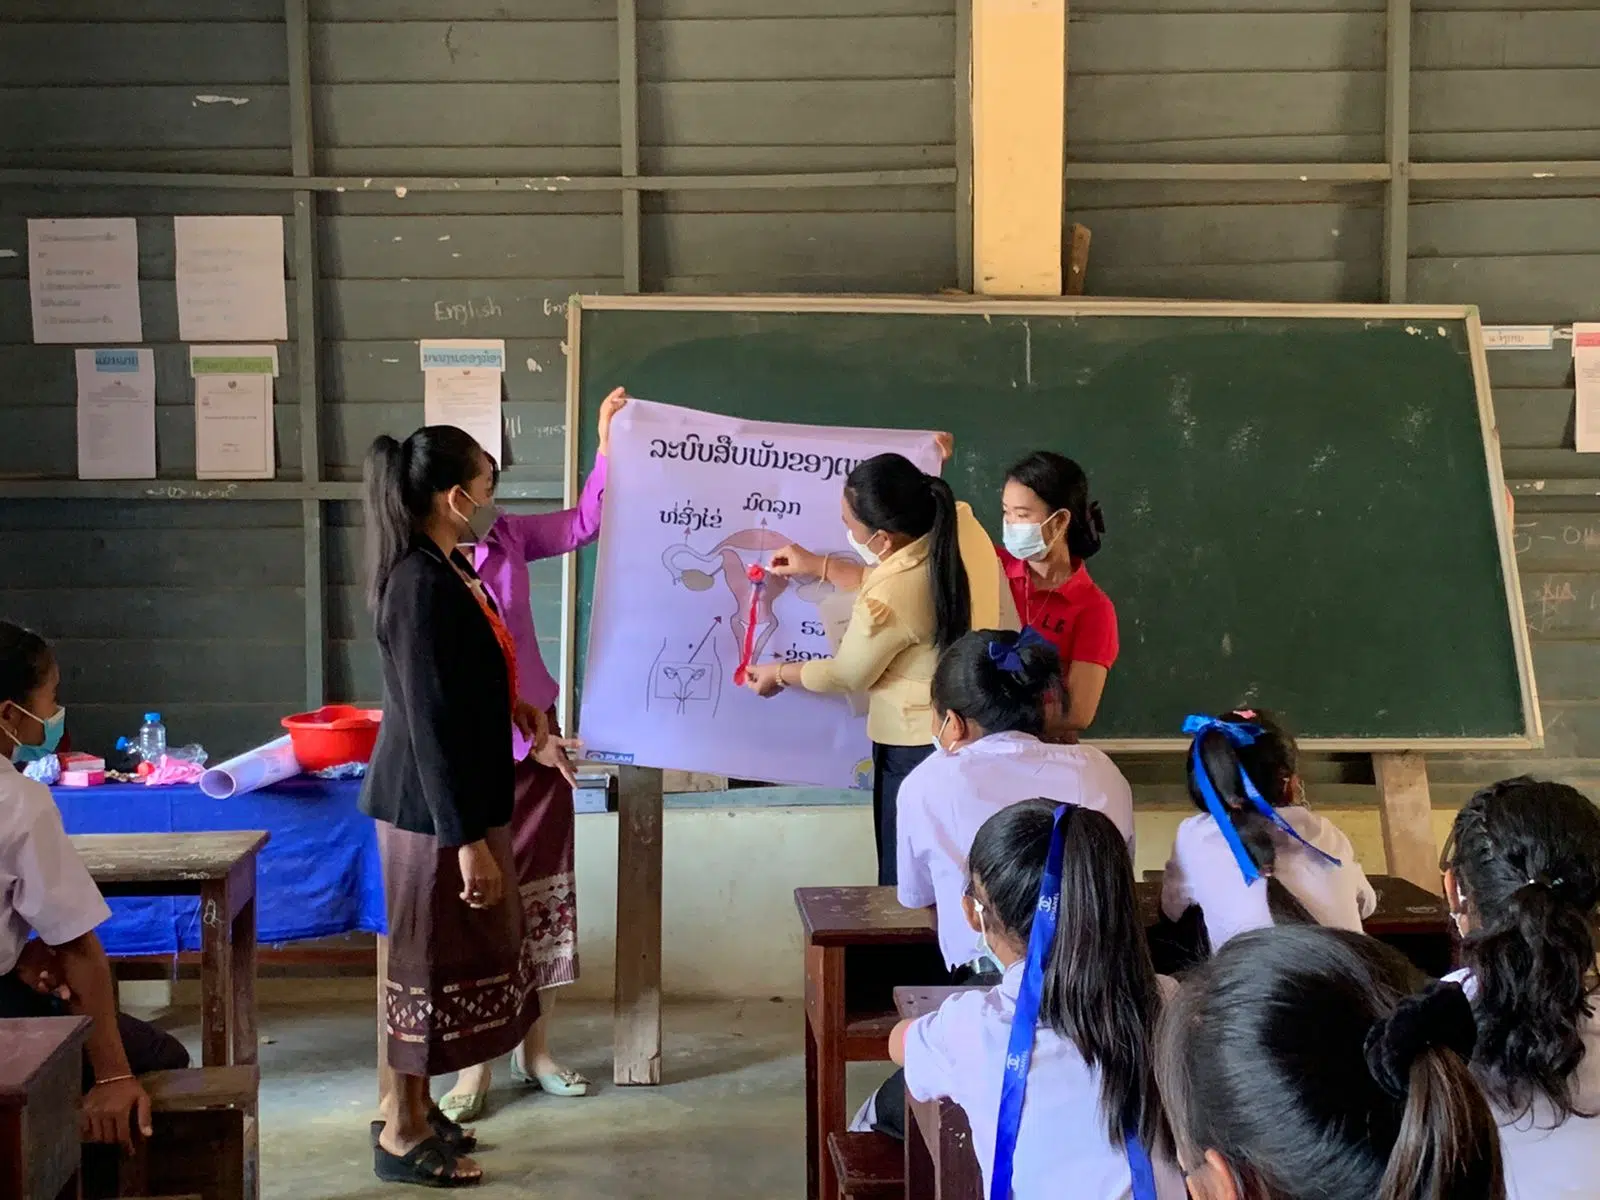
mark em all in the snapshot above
pixel 693 502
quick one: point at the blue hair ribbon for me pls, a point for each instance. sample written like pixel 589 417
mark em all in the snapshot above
pixel 1024 1024
pixel 1009 658
pixel 1238 733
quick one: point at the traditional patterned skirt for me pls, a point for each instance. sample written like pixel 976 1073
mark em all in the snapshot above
pixel 460 986
pixel 541 836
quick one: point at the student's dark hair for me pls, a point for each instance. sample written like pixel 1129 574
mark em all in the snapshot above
pixel 889 492
pixel 1271 761
pixel 970 680
pixel 1063 486
pixel 24 663
pixel 1310 1061
pixel 402 479
pixel 1526 856
pixel 1100 988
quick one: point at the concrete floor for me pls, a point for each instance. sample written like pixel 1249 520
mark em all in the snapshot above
pixel 728 1121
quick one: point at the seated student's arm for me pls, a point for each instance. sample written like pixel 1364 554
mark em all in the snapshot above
pixel 58 900
pixel 117 1102
pixel 897 1043
pixel 870 643
pixel 914 888
pixel 1366 894
pixel 938 1051
pixel 1177 890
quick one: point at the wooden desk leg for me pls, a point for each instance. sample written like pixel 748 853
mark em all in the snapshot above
pixel 1406 811
pixel 216 972
pixel 960 1177
pixel 825 1098
pixel 246 1041
pixel 637 999
pixel 921 1175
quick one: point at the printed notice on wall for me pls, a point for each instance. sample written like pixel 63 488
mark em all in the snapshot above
pixel 693 503
pixel 461 387
pixel 230 279
pixel 1586 374
pixel 116 414
pixel 233 411
pixel 83 279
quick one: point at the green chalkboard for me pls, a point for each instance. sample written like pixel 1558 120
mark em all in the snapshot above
pixel 1300 509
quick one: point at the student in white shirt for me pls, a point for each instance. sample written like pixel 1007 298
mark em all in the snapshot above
pixel 1089 1107
pixel 46 890
pixel 989 694
pixel 1522 875
pixel 1256 855
pixel 1301 1063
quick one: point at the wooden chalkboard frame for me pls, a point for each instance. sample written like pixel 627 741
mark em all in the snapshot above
pixel 1533 736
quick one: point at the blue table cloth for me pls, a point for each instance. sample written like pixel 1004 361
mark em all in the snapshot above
pixel 318 876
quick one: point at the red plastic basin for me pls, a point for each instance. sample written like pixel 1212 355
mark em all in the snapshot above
pixel 333 735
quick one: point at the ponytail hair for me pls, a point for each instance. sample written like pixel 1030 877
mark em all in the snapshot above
pixel 1526 857
pixel 1063 486
pixel 401 480
pixel 889 493
pixel 1271 762
pixel 1308 1059
pixel 998 680
pixel 1100 989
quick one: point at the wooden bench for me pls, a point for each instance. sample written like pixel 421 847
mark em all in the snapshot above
pixel 41 1087
pixel 205 1142
pixel 869 1166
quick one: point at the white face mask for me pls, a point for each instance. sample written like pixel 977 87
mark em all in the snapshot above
pixel 1025 540
pixel 938 744
pixel 868 555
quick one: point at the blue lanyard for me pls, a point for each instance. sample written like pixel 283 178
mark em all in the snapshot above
pixel 1240 735
pixel 1025 1021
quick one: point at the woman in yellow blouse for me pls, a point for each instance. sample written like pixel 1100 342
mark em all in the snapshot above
pixel 928 574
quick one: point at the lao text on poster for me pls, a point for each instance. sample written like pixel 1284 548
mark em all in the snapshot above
pixel 693 501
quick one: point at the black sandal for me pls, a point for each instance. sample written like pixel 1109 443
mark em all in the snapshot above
pixel 446 1130
pixel 428 1164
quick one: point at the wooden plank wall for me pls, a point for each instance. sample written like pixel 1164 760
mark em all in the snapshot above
pixel 208 632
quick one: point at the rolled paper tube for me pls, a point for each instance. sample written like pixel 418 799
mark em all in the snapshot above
pixel 258 768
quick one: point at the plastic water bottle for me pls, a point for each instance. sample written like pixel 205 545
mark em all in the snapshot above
pixel 152 738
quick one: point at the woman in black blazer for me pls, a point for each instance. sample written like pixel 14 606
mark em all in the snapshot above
pixel 456 989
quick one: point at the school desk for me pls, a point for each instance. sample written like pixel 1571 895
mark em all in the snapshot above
pixel 219 870
pixel 319 875
pixel 836 920
pixel 41 1092
pixel 940 1163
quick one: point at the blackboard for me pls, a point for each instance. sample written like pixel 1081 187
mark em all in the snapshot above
pixel 1304 504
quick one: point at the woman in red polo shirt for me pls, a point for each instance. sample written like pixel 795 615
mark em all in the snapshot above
pixel 1051 527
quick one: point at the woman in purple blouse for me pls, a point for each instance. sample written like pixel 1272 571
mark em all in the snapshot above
pixel 542 816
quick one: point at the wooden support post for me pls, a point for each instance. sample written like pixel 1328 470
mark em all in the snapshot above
pixel 637 1052
pixel 1078 238
pixel 1407 816
pixel 1019 80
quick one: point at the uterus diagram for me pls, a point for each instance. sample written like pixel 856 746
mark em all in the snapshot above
pixel 731 560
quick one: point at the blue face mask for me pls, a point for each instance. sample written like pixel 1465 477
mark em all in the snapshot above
pixel 54 727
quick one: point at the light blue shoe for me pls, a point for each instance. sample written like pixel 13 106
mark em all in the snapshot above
pixel 563 1083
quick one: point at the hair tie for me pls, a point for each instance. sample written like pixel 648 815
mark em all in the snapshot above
pixel 1009 658
pixel 1238 734
pixel 1439 1015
